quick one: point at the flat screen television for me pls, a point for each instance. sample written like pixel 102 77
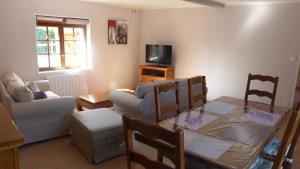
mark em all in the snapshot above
pixel 159 54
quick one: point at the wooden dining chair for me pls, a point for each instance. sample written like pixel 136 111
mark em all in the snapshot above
pixel 161 110
pixel 288 162
pixel 167 142
pixel 201 96
pixel 281 159
pixel 273 146
pixel 261 93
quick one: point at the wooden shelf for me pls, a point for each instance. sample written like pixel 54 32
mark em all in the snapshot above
pixel 149 73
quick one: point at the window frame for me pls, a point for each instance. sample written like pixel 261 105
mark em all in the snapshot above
pixel 60 26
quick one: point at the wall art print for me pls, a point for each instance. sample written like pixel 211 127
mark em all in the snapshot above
pixel 117 31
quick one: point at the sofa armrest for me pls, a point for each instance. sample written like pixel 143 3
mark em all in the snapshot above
pixel 125 102
pixel 43 85
pixel 62 105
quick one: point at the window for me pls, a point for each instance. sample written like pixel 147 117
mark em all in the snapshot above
pixel 61 43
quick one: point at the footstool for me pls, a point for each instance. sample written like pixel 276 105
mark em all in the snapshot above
pixel 98 134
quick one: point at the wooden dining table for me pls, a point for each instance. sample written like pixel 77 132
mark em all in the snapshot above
pixel 232 137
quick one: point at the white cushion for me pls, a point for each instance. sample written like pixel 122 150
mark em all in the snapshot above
pixel 11 76
pixel 19 92
pixel 33 87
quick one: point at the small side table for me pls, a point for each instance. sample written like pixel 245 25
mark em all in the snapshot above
pixel 93 101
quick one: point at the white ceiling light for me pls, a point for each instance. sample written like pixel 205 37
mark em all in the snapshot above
pixel 211 3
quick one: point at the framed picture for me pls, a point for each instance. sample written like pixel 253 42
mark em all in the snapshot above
pixel 117 31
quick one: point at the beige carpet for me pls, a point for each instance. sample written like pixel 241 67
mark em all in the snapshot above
pixel 61 154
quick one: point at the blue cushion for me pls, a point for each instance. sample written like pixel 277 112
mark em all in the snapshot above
pixel 272 147
pixel 261 163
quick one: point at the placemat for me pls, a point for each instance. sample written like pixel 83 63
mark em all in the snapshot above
pixel 192 120
pixel 217 107
pixel 243 133
pixel 205 145
pixel 261 117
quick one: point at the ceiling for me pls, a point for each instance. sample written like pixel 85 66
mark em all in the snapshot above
pixel 164 4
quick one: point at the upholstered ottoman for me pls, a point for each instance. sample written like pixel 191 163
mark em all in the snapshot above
pixel 98 134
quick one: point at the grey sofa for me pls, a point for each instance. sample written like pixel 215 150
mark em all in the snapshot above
pixel 40 119
pixel 142 104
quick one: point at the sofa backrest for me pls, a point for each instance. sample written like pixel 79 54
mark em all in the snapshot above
pixel 145 91
pixel 144 88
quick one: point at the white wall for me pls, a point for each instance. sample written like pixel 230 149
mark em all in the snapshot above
pixel 1 29
pixel 115 66
pixel 227 44
pixel 223 44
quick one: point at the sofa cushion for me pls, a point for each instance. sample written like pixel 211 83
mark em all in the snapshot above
pixel 143 88
pixel 36 91
pixel 33 87
pixel 39 95
pixel 19 92
pixel 51 95
pixel 11 77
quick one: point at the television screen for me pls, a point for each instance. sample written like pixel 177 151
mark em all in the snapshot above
pixel 159 54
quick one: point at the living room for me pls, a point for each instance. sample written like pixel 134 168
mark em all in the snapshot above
pixel 222 43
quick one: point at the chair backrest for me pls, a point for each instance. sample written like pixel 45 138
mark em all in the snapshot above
pixel 261 93
pixel 166 108
pixel 165 141
pixel 201 81
pixel 289 134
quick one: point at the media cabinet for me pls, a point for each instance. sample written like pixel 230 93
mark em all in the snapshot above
pixel 149 73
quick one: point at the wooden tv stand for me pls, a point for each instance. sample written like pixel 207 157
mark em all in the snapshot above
pixel 149 73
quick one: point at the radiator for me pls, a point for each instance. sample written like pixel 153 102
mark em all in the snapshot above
pixel 68 85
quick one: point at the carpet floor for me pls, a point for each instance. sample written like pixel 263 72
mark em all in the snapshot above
pixel 60 153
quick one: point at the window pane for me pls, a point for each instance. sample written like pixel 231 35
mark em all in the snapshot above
pixel 77 47
pixel 71 60
pixel 80 48
pixel 68 34
pixel 69 47
pixel 78 34
pixel 54 47
pixel 53 33
pixel 41 33
pixel 41 47
pixel 43 61
pixel 55 61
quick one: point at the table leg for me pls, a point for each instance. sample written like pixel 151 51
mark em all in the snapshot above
pixel 78 105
